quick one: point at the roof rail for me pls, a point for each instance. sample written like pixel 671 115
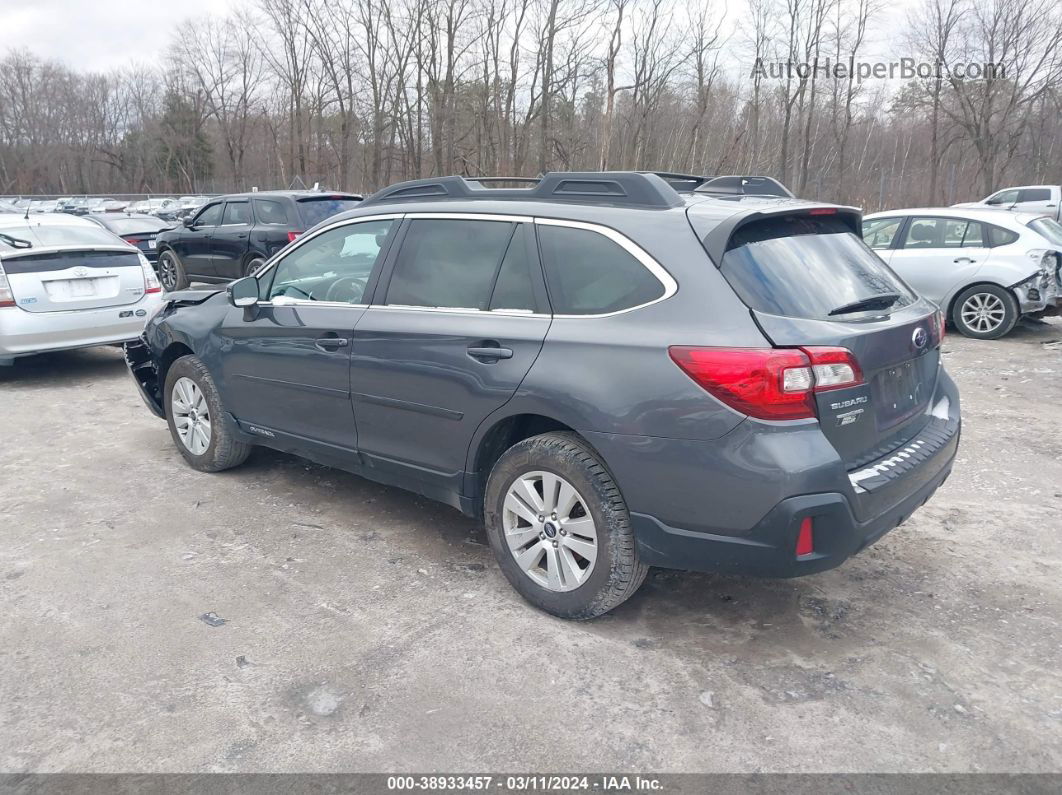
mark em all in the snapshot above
pixel 681 182
pixel 745 186
pixel 625 188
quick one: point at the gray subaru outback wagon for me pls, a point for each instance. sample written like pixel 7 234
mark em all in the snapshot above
pixel 614 370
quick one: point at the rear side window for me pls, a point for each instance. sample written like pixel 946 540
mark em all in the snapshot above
pixel 271 212
pixel 944 233
pixel 451 264
pixel 315 210
pixel 1035 195
pixel 590 274
pixel 237 213
pixel 998 236
pixel 808 267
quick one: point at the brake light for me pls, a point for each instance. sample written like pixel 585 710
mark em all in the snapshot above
pixel 805 543
pixel 151 279
pixel 822 211
pixel 292 236
pixel 939 323
pixel 132 240
pixel 769 383
pixel 7 298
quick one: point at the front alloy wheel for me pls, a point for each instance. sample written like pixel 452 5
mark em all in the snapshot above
pixel 550 533
pixel 191 416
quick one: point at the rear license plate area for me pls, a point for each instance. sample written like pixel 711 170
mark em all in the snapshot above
pixel 900 392
pixel 66 289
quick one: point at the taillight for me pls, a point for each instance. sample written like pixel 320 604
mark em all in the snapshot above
pixel 939 323
pixel 7 298
pixel 769 383
pixel 132 240
pixel 151 280
pixel 292 236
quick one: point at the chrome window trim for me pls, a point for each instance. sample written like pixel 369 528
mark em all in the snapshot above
pixel 655 268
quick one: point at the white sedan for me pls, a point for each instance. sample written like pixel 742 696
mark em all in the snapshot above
pixel 67 283
pixel 986 268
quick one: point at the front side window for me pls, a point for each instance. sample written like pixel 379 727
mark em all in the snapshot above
pixel 590 274
pixel 880 232
pixel 450 264
pixel 210 216
pixel 1003 197
pixel 237 214
pixel 333 266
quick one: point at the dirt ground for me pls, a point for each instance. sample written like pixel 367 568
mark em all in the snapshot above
pixel 365 629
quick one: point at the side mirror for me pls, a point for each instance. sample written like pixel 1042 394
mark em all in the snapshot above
pixel 243 292
pixel 188 222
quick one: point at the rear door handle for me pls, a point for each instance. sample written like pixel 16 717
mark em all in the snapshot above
pixel 331 343
pixel 490 353
pixel 964 259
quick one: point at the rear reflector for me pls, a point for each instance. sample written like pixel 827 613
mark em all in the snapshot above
pixel 805 544
pixel 769 383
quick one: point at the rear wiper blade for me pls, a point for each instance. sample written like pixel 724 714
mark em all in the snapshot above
pixel 15 242
pixel 882 301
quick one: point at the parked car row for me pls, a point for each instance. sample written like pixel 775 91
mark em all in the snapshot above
pixel 61 280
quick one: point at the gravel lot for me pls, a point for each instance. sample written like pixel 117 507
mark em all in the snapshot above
pixel 369 630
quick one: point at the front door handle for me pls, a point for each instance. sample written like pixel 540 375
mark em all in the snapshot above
pixel 331 343
pixel 490 353
pixel 964 259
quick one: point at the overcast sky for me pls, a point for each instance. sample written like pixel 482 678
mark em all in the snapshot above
pixel 98 35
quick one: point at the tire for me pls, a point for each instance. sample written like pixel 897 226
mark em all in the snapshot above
pixel 985 312
pixel 253 265
pixel 553 584
pixel 171 272
pixel 216 448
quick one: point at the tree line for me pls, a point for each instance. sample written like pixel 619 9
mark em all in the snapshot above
pixel 356 94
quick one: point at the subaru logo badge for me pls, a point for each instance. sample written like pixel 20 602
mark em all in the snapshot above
pixel 919 338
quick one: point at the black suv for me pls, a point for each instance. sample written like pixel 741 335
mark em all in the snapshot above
pixel 612 373
pixel 232 236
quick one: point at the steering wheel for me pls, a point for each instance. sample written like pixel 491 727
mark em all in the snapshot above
pixel 344 281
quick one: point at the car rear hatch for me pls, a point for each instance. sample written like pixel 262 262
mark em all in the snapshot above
pixel 69 279
pixel 314 209
pixel 811 283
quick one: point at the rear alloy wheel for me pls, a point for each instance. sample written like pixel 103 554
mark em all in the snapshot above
pixel 985 311
pixel 252 266
pixel 560 529
pixel 200 427
pixel 171 272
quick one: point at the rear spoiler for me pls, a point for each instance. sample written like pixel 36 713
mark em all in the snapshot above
pixel 718 237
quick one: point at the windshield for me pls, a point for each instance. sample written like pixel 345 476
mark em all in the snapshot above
pixel 49 235
pixel 810 267
pixel 315 210
pixel 1049 228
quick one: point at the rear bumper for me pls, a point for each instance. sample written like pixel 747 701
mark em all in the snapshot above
pixel 768 550
pixel 24 333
